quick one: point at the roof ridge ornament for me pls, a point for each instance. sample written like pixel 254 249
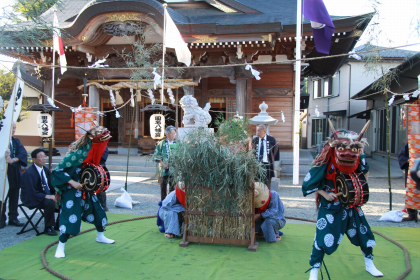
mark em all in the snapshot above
pixel 124 17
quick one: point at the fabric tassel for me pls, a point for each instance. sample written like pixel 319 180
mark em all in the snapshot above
pixel 118 98
pixel 72 120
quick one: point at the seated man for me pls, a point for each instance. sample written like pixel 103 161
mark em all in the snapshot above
pixel 270 213
pixel 37 190
pixel 169 214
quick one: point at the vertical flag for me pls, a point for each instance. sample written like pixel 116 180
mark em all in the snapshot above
pixel 18 88
pixel 173 39
pixel 58 45
pixel 322 25
pixel 9 116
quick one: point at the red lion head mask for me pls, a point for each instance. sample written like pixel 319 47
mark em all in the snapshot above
pixel 346 146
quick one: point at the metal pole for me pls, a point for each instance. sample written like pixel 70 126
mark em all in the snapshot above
pixel 163 53
pixel 388 140
pixel 176 109
pixel 50 154
pixel 129 146
pixel 52 98
pixel 297 95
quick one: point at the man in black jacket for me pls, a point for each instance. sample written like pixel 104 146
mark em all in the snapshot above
pixel 16 158
pixel 37 190
pixel 266 151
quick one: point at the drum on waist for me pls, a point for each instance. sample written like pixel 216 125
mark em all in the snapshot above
pixel 353 187
pixel 95 178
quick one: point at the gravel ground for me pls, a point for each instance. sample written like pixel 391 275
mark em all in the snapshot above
pixel 148 193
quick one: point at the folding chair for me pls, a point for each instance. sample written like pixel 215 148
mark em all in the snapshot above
pixel 34 226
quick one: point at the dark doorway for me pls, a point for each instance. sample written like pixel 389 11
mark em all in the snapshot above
pixel 111 122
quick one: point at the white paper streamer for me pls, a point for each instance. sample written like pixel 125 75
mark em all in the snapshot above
pixel 406 96
pixel 391 100
pixel 100 114
pixel 117 115
pixel 51 102
pixel 111 96
pixel 132 97
pixel 171 96
pixel 416 93
pixel 157 80
pixel 151 96
pixel 282 117
pixel 254 72
pixel 316 111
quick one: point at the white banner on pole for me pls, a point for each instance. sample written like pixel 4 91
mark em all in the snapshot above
pixel 15 104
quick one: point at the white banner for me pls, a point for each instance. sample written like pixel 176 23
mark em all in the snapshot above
pixel 5 130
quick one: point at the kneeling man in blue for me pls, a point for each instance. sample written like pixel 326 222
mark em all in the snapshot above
pixel 169 216
pixel 269 217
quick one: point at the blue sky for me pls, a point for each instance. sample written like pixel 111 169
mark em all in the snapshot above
pixel 395 28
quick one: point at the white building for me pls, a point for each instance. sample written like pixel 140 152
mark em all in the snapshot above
pixel 329 95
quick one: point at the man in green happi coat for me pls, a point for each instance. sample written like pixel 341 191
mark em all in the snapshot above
pixel 343 154
pixel 161 156
pixel 77 205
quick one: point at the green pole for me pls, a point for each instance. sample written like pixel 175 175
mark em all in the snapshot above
pixel 388 144
pixel 129 144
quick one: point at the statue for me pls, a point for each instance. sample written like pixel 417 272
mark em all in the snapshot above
pixel 194 116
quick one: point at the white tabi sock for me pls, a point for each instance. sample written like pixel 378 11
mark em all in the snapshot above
pixel 59 253
pixel 314 274
pixel 100 237
pixel 370 267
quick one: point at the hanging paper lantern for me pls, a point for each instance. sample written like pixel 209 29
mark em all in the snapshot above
pixel 157 126
pixel 44 125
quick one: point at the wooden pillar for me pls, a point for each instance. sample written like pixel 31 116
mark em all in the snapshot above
pixel 47 90
pixel 240 96
pixel 204 92
pixel 249 97
pixel 94 100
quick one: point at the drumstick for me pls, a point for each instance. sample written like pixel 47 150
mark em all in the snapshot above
pixel 338 194
pixel 85 183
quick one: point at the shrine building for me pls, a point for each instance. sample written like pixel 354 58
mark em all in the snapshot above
pixel 222 35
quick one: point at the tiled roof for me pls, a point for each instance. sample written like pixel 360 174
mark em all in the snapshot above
pixel 283 11
pixel 389 53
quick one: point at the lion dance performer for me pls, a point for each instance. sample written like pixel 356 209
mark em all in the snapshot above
pixel 77 204
pixel 341 163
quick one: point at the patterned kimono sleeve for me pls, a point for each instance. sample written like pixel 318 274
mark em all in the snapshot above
pixel 66 169
pixel 363 165
pixel 314 180
pixel 61 176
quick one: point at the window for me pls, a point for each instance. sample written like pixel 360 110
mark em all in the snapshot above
pixel 322 87
pixel 319 131
pixel 327 86
pixel 317 89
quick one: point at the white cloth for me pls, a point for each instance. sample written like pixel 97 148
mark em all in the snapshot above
pixel 265 158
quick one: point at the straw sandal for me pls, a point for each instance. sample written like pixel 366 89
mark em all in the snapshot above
pixel 169 235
